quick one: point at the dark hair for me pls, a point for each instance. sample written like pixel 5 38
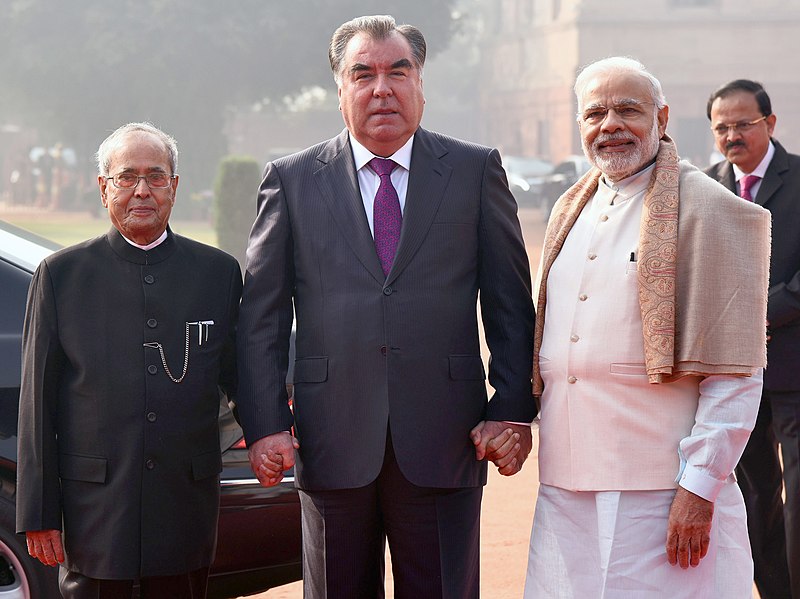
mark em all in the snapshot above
pixel 377 27
pixel 742 85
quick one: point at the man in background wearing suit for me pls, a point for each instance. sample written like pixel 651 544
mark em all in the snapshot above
pixel 127 340
pixel 383 238
pixel 759 169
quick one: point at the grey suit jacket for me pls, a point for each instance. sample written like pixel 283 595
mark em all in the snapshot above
pixel 372 351
pixel 780 194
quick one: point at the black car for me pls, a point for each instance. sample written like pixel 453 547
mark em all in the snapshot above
pixel 560 179
pixel 259 539
pixel 523 172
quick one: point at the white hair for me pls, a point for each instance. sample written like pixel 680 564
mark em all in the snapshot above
pixel 616 64
pixel 109 144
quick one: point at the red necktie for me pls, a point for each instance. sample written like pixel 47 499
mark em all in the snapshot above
pixel 746 184
pixel 386 216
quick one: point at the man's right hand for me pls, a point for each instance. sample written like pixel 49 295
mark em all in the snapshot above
pixel 46 546
pixel 271 456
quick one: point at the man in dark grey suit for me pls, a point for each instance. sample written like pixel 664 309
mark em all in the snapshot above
pixel 383 262
pixel 758 168
pixel 127 340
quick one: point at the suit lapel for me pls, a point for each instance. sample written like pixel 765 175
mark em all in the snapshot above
pixel 427 182
pixel 773 178
pixel 726 176
pixel 338 183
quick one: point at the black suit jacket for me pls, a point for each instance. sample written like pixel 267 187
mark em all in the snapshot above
pixel 780 194
pixel 129 459
pixel 372 351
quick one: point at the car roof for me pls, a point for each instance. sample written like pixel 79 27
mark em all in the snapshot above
pixel 23 248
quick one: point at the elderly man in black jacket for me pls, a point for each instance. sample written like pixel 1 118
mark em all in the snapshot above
pixel 127 339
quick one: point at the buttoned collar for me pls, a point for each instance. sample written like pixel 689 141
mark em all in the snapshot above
pixel 627 188
pixel 129 251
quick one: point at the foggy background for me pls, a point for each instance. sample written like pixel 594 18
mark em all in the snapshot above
pixel 251 77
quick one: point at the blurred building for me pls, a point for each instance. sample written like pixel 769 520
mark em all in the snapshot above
pixel 533 49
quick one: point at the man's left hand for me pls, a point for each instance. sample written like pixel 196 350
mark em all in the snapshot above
pixel 688 529
pixel 505 444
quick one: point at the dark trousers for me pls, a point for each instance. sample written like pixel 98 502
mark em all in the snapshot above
pixel 433 535
pixel 191 585
pixel 774 527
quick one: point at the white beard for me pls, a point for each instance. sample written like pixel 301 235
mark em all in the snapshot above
pixel 619 165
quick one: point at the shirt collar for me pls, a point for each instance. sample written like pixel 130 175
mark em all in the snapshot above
pixel 761 169
pixel 150 245
pixel 630 186
pixel 362 155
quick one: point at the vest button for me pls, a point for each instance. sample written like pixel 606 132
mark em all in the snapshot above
pixel 152 323
pixel 152 369
pixel 149 279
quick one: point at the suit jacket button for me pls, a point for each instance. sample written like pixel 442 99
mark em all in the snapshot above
pixel 149 279
pixel 149 464
pixel 387 291
pixel 152 369
pixel 151 416
pixel 152 323
pixel 383 350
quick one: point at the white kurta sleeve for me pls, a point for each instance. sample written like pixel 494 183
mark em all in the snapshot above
pixel 726 413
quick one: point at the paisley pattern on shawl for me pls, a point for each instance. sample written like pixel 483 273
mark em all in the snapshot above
pixel 668 356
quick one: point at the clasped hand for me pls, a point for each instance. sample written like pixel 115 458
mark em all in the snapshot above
pixel 506 445
pixel 271 456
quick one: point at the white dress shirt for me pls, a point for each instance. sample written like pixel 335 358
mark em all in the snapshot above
pixel 759 172
pixel 368 180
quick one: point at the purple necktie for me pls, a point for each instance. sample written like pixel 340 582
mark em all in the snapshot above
pixel 386 215
pixel 746 185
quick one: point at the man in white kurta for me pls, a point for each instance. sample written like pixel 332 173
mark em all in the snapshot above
pixel 641 427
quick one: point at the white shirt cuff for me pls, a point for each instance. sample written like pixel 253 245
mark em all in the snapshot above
pixel 699 483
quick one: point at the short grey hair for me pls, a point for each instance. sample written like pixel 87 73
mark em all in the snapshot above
pixel 111 142
pixel 616 64
pixel 377 27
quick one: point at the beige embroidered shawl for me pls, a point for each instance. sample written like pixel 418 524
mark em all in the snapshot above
pixel 703 272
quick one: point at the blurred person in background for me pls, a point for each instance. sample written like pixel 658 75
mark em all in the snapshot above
pixel 127 340
pixel 648 358
pixel 381 240
pixel 760 170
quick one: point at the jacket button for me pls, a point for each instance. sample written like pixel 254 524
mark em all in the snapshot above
pixel 152 323
pixel 149 464
pixel 387 291
pixel 151 416
pixel 383 350
pixel 152 369
pixel 149 279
